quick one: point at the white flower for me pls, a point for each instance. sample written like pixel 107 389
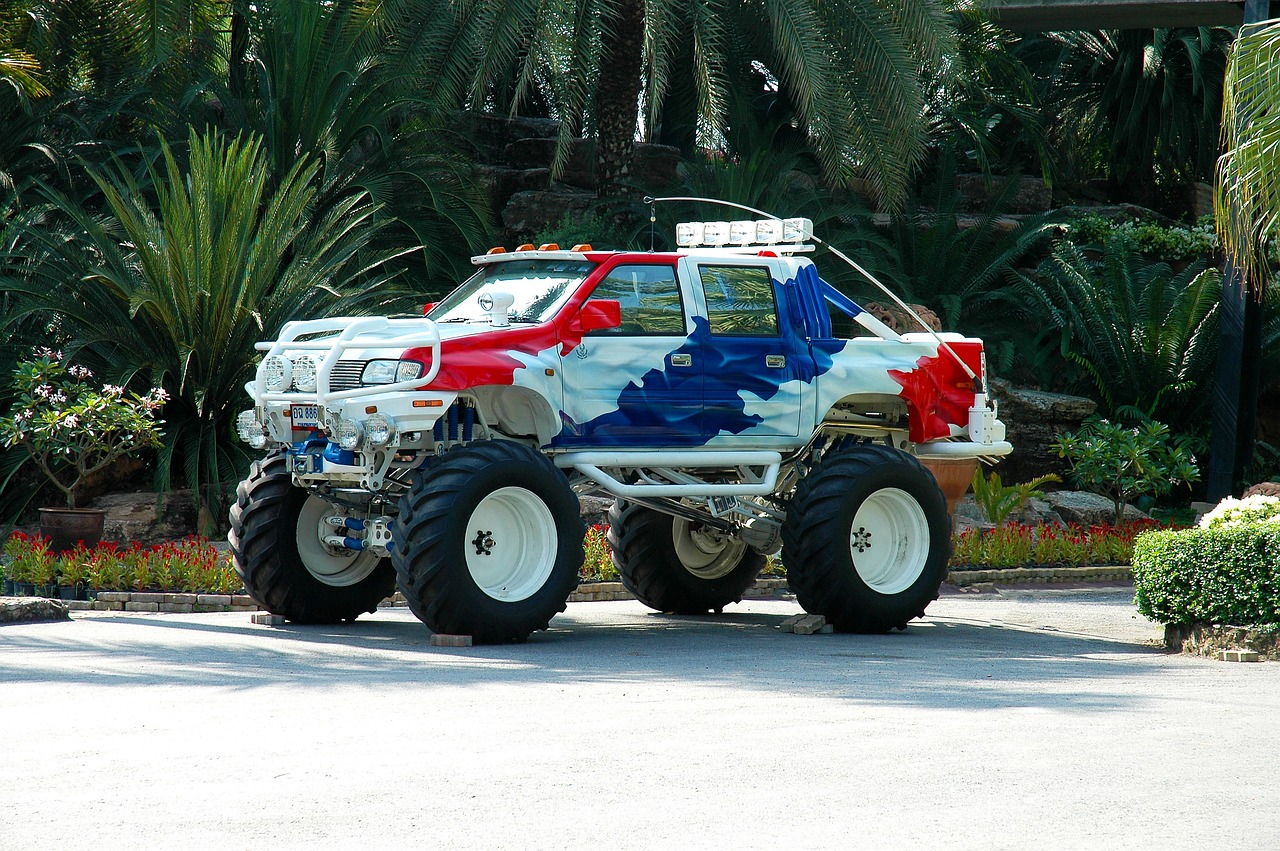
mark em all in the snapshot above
pixel 112 390
pixel 72 421
pixel 43 391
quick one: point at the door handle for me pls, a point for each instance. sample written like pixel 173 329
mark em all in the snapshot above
pixel 682 360
pixel 775 361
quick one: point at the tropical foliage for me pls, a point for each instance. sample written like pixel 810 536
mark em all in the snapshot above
pixel 1144 335
pixel 175 291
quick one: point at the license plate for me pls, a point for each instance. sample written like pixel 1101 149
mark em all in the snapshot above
pixel 305 416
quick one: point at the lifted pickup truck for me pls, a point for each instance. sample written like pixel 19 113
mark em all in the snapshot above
pixel 705 389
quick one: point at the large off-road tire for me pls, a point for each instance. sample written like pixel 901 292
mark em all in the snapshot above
pixel 488 542
pixel 675 565
pixel 867 539
pixel 277 550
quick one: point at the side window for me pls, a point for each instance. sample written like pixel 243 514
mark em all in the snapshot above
pixel 740 300
pixel 650 300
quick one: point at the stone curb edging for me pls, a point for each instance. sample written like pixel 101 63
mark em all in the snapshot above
pixel 158 602
pixel 1100 573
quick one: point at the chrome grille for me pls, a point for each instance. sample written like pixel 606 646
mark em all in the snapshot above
pixel 346 375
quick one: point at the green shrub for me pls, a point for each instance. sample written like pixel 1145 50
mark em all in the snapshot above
pixel 1225 575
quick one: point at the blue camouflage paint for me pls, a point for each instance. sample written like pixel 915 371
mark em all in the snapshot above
pixel 728 371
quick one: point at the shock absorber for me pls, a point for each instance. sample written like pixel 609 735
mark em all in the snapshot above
pixel 468 419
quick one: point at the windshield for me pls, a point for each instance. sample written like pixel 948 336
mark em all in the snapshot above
pixel 539 287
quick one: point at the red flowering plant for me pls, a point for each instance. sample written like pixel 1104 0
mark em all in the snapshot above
pixel 1022 545
pixel 27 558
pixel 190 565
pixel 71 429
pixel 597 561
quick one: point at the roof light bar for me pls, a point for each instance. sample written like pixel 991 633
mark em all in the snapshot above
pixel 742 233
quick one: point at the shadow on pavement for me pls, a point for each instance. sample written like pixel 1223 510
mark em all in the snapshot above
pixel 937 662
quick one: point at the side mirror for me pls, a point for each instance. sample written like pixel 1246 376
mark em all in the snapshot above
pixel 599 314
pixel 428 307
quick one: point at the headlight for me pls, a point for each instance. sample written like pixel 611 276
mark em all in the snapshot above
pixel 347 433
pixel 408 370
pixel 304 373
pixel 387 371
pixel 379 372
pixel 249 429
pixel 379 429
pixel 277 372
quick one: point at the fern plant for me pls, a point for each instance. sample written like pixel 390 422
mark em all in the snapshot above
pixel 1144 335
pixel 998 500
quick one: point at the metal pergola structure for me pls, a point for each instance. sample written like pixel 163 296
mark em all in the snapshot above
pixel 1235 395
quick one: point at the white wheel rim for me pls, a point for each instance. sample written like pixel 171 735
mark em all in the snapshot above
pixel 330 565
pixel 511 544
pixel 703 552
pixel 889 540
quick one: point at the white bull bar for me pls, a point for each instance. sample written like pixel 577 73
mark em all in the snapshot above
pixel 353 330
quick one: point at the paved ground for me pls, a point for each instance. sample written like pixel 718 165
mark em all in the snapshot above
pixel 1030 720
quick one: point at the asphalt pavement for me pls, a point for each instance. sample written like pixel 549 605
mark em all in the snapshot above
pixel 1029 719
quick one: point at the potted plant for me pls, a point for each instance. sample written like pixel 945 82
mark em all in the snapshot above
pixel 29 560
pixel 73 570
pixel 71 429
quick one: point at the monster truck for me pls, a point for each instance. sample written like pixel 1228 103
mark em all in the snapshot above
pixel 729 400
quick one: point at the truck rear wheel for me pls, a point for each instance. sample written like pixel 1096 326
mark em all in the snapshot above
pixel 488 542
pixel 676 565
pixel 278 551
pixel 867 539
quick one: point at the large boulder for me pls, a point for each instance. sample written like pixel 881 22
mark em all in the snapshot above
pixel 1034 418
pixel 529 212
pixel 144 517
pixel 1089 509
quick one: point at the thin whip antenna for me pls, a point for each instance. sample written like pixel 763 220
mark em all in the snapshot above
pixel 652 202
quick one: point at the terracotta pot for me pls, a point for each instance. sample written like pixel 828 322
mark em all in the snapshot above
pixel 954 475
pixel 65 527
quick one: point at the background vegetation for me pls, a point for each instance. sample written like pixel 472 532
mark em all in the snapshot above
pixel 180 177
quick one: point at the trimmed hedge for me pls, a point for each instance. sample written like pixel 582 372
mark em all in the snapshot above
pixel 1217 576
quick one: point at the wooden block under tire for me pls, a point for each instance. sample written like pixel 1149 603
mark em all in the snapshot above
pixel 445 640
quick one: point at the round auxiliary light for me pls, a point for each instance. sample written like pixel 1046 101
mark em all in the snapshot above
pixel 379 429
pixel 277 372
pixel 304 373
pixel 248 427
pixel 347 433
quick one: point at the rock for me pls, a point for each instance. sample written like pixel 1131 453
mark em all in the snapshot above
pixel 901 321
pixel 500 182
pixel 1089 509
pixel 29 609
pixel 969 516
pixel 655 165
pixel 579 168
pixel 529 212
pixel 1028 195
pixel 595 509
pixel 137 516
pixel 1034 419
pixel 490 134
pixel 1038 512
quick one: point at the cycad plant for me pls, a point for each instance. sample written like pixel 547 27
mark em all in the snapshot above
pixel 174 286
pixel 1145 335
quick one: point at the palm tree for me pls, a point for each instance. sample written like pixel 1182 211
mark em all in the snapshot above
pixel 850 68
pixel 1247 190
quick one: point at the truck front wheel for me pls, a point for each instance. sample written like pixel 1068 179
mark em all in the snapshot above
pixel 676 565
pixel 488 542
pixel 277 547
pixel 867 539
